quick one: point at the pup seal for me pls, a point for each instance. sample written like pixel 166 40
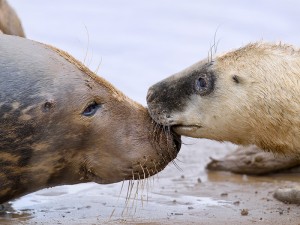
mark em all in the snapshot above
pixel 62 124
pixel 247 96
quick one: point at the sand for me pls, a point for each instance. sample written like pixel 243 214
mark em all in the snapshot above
pixel 189 195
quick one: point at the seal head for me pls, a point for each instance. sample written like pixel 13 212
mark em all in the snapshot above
pixel 62 124
pixel 248 96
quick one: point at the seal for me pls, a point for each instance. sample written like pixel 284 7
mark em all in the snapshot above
pixel 253 161
pixel 247 96
pixel 9 20
pixel 62 124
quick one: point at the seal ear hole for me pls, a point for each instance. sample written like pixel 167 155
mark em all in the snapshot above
pixel 48 105
pixel 236 79
pixel 91 109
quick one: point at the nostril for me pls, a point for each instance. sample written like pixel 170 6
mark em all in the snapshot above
pixel 150 95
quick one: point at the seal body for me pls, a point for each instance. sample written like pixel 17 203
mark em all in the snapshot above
pixel 248 96
pixel 62 124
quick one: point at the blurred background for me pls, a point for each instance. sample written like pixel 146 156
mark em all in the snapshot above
pixel 135 44
pixel 138 43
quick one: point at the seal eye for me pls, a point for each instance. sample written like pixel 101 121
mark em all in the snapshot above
pixel 204 83
pixel 201 83
pixel 91 109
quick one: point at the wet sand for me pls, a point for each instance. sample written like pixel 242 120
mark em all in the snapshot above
pixel 189 195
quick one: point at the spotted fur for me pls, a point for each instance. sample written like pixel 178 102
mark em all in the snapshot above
pixel 46 140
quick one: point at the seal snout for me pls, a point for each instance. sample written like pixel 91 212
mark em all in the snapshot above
pixel 161 116
pixel 157 110
pixel 150 95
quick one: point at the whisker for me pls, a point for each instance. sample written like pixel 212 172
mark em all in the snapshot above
pixel 130 186
pixel 98 67
pixel 176 165
pixel 147 189
pixel 112 213
pixel 127 195
pixel 136 191
pixel 121 190
pixel 216 44
pixel 141 190
pixel 168 142
pixel 155 170
pixel 88 45
pixel 152 177
pixel 179 160
pixel 91 59
pixel 213 48
pixel 143 183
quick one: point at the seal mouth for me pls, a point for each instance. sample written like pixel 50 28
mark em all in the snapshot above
pixel 186 130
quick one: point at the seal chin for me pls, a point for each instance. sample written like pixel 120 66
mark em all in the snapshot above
pixel 186 130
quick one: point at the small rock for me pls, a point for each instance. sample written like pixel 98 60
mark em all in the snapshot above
pixel 280 211
pixel 236 203
pixel 224 194
pixel 244 212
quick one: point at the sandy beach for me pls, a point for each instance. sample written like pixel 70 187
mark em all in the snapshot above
pixel 189 195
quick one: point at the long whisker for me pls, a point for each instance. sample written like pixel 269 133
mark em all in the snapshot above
pixel 127 195
pixel 112 213
pixel 88 45
pixel 98 67
pixel 121 190
pixel 176 165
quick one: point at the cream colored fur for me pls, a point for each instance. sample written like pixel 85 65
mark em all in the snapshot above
pixel 262 109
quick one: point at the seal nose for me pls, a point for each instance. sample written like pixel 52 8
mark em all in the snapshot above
pixel 150 95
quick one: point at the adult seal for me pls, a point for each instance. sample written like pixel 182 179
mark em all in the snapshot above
pixel 62 124
pixel 247 96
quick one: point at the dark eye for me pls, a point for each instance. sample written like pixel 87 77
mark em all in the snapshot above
pixel 91 109
pixel 201 83
pixel 204 83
